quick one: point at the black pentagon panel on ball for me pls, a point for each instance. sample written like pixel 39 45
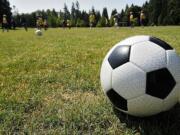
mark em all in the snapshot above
pixel 159 83
pixel 161 43
pixel 117 100
pixel 119 56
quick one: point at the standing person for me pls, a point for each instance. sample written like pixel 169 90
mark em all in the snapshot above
pixel 64 24
pixel 131 19
pixel 24 23
pixel 69 24
pixel 116 20
pixel 107 22
pixel 5 24
pixel 45 24
pixel 39 23
pixel 13 23
pixel 142 18
pixel 91 20
pixel 25 26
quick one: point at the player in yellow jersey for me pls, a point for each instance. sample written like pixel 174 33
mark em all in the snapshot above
pixel 39 23
pixel 131 19
pixel 142 18
pixel 91 20
pixel 69 24
pixel 5 23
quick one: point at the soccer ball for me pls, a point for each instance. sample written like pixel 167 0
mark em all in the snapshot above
pixel 141 76
pixel 38 32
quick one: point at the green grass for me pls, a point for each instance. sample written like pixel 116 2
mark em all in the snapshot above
pixel 50 84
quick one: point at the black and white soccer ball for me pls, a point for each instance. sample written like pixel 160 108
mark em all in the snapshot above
pixel 38 32
pixel 141 76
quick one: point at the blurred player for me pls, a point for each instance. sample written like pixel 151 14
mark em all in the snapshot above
pixel 142 18
pixel 69 24
pixel 131 19
pixel 13 23
pixel 91 20
pixel 5 24
pixel 64 24
pixel 24 23
pixel 39 23
pixel 116 20
pixel 45 24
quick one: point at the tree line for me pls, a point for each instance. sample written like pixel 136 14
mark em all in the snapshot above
pixel 5 9
pixel 157 12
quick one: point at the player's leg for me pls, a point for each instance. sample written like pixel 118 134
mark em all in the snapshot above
pixel 2 27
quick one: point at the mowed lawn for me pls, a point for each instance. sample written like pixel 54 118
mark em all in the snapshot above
pixel 51 84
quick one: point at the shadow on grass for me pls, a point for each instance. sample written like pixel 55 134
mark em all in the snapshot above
pixel 166 123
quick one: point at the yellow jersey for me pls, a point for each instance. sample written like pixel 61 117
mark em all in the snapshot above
pixel 4 20
pixel 131 17
pixel 142 16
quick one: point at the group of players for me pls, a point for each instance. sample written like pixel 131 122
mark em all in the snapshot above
pixel 142 18
pixel 5 24
pixel 42 23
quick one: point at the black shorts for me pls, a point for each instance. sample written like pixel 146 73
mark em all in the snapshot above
pixel 4 25
pixel 142 22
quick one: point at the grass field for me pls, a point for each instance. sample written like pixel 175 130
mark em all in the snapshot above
pixel 50 84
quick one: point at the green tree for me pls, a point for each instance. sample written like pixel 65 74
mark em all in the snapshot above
pixel 73 15
pixel 173 12
pixel 122 16
pixel 78 12
pixel 126 14
pixel 102 22
pixel 5 9
pixel 97 17
pixel 114 12
pixel 113 16
pixel 145 9
pixel 105 16
pixel 54 13
pixel 66 12
pixel 163 13
pixel 85 18
pixel 155 7
pixel 105 13
pixel 111 21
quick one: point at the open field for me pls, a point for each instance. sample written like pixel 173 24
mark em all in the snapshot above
pixel 50 84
